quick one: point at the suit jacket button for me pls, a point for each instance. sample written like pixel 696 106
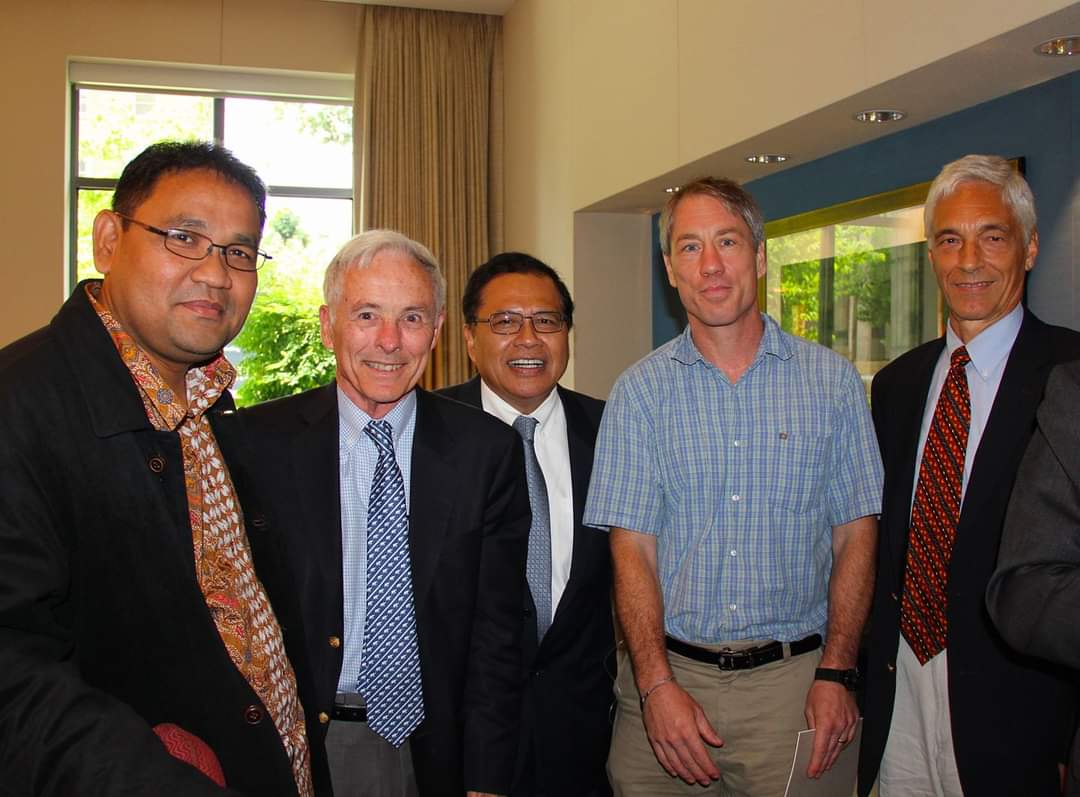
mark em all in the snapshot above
pixel 156 463
pixel 335 642
pixel 894 597
pixel 890 667
pixel 258 521
pixel 323 718
pixel 527 612
pixel 253 714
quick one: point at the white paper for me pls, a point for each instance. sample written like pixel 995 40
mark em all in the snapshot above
pixel 839 781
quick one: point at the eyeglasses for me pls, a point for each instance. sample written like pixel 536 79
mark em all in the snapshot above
pixel 510 323
pixel 196 246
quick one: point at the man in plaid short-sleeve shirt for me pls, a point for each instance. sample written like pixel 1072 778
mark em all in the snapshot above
pixel 738 472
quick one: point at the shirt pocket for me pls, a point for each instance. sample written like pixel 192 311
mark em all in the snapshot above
pixel 797 462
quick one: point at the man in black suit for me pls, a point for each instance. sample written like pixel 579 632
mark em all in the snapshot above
pixel 128 598
pixel 950 708
pixel 1034 595
pixel 405 517
pixel 518 314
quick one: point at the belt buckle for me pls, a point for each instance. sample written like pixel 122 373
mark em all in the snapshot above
pixel 729 659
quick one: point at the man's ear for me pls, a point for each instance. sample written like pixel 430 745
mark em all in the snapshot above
pixel 107 234
pixel 326 328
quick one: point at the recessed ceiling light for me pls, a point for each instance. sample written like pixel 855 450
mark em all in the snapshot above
pixel 1065 45
pixel 767 157
pixel 879 116
pixel 671 189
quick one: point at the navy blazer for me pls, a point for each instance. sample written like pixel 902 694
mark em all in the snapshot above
pixel 468 531
pixel 104 630
pixel 1012 716
pixel 566 717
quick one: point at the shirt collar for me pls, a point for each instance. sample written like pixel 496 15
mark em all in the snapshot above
pixel 507 413
pixel 205 383
pixel 772 342
pixel 990 347
pixel 352 419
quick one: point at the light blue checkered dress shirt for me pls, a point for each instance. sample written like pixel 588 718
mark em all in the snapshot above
pixel 357 456
pixel 740 483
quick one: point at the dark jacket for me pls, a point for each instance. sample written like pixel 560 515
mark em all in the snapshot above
pixel 104 630
pixel 1011 715
pixel 566 718
pixel 468 528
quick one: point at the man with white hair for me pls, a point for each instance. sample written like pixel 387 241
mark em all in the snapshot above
pixel 405 518
pixel 950 709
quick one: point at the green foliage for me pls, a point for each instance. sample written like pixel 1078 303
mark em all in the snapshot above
pixel 283 349
pixel 331 123
pixel 287 224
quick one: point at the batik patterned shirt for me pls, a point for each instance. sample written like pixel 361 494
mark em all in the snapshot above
pixel 223 564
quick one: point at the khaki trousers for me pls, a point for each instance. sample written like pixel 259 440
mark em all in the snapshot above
pixel 758 713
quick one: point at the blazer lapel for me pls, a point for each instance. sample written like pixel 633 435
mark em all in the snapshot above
pixel 432 475
pixel 1008 428
pixel 317 477
pixel 907 408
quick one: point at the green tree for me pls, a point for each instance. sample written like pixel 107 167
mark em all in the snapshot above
pixel 282 344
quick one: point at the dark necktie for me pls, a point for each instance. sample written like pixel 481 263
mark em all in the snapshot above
pixel 538 563
pixel 935 513
pixel 390 669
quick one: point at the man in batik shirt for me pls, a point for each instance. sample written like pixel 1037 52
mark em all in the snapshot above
pixel 129 601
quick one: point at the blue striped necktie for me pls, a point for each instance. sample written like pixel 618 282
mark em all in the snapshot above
pixel 390 669
pixel 538 563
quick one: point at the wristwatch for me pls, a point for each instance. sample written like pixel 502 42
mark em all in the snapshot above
pixel 849 678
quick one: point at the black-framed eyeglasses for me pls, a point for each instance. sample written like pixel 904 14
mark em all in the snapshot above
pixel 509 322
pixel 196 246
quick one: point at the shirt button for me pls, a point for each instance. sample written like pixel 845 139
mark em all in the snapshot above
pixel 736 497
pixel 335 642
pixel 733 607
pixel 253 714
pixel 738 443
pixel 734 552
pixel 323 718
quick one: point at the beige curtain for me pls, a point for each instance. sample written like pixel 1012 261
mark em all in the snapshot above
pixel 428 146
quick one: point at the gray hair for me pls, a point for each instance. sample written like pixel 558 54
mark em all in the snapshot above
pixel 733 196
pixel 361 249
pixel 993 169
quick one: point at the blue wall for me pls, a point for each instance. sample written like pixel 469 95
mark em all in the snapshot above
pixel 1040 124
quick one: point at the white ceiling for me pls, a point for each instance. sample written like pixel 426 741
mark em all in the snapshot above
pixel 469 6
pixel 992 69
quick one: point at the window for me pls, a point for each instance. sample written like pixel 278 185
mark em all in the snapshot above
pixel 855 278
pixel 302 149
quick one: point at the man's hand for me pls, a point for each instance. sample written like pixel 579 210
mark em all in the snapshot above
pixel 677 729
pixel 831 711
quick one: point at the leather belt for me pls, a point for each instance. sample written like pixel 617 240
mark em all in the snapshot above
pixel 743 659
pixel 349 708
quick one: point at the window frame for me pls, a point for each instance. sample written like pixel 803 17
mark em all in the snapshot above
pixel 78 183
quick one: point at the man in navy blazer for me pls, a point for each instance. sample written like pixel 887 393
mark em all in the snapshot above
pixel 518 314
pixel 307 471
pixel 975 717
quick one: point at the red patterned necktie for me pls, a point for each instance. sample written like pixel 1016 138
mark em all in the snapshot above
pixel 935 513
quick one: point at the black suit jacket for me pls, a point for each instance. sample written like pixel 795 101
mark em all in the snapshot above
pixel 468 531
pixel 1011 715
pixel 566 717
pixel 104 630
pixel 1034 595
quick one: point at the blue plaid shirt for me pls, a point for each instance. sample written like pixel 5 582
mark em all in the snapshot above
pixel 741 483
pixel 357 457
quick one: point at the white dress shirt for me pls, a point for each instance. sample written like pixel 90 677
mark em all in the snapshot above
pixel 357 458
pixel 553 454
pixel 919 756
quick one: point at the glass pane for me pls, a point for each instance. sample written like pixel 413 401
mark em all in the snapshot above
pixel 115 126
pixel 863 287
pixel 279 351
pixel 292 143
pixel 90 202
